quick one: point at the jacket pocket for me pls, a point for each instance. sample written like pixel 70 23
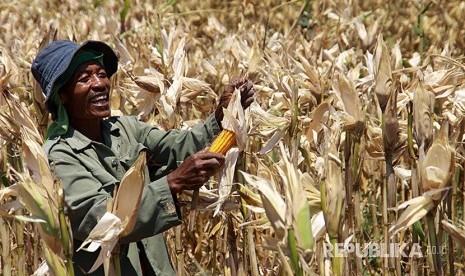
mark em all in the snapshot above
pixel 128 159
pixel 108 181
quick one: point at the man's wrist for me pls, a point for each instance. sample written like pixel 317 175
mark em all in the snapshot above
pixel 219 116
pixel 172 184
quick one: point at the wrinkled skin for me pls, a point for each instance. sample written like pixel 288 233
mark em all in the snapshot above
pixel 82 98
pixel 245 87
pixel 195 171
pixel 78 96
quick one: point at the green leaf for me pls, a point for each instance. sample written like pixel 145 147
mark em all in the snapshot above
pixel 124 11
pixel 167 5
pixel 419 231
pixel 294 254
pixel 304 227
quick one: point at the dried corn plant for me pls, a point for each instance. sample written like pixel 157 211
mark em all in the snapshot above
pixel 355 138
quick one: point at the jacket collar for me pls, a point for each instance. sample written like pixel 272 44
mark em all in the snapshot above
pixel 78 141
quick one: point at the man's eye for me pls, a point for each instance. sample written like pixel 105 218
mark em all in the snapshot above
pixel 84 78
pixel 102 74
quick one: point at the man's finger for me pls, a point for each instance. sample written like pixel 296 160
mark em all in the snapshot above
pixel 248 94
pixel 209 155
pixel 247 102
pixel 211 163
pixel 249 85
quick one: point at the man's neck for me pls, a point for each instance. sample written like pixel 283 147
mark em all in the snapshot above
pixel 89 128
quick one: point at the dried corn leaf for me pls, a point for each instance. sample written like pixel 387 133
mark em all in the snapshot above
pixel 391 122
pixel 345 90
pixel 20 116
pixel 9 191
pixel 125 57
pixel 374 142
pixel 226 179
pixel 174 92
pixel 196 85
pixel 318 225
pixel 37 163
pixel 9 130
pixel 382 73
pixel 208 67
pixel 320 117
pixel 311 73
pixel 128 197
pixel 255 58
pixel 255 209
pixel 416 208
pixel 105 235
pixel 287 270
pixel 397 56
pixel 11 207
pixel 423 103
pixel 42 270
pixel 312 193
pixel 266 122
pixel 274 205
pixel 166 111
pixel 332 187
pixel 456 230
pixel 234 119
pixel 277 136
pixel 179 61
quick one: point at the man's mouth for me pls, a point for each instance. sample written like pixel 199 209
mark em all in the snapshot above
pixel 100 100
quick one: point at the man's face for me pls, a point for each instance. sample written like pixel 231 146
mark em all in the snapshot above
pixel 86 94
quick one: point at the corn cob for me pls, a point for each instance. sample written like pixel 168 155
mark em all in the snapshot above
pixel 225 141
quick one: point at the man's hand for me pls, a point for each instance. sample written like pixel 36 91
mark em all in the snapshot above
pixel 246 88
pixel 195 171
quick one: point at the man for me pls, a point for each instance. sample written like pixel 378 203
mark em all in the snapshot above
pixel 90 151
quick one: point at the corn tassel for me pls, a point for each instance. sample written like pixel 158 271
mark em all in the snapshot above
pixel 225 141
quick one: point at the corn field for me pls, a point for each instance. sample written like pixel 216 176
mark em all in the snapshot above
pixel 349 162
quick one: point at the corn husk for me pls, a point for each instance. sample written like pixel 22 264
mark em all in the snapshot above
pixel 121 219
pixel 382 73
pixel 346 93
pixel 437 165
pixel 415 209
pixel 274 205
pixel 423 103
pixel 332 188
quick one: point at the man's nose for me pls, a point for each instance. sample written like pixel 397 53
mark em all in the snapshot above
pixel 98 82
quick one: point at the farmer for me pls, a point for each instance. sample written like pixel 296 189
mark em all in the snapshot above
pixel 90 151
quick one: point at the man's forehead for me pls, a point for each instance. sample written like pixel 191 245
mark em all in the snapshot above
pixel 89 66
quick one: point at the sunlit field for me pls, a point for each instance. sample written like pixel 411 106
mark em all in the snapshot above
pixel 349 162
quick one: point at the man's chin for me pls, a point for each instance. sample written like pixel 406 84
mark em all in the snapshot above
pixel 101 114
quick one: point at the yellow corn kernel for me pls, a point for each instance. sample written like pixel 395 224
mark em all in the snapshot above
pixel 224 141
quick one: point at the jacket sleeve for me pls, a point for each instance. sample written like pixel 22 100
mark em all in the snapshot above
pixel 86 198
pixel 169 149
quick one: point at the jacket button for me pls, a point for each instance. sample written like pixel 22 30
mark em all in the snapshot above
pixel 114 163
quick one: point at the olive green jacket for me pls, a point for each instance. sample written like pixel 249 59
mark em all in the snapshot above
pixel 90 170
